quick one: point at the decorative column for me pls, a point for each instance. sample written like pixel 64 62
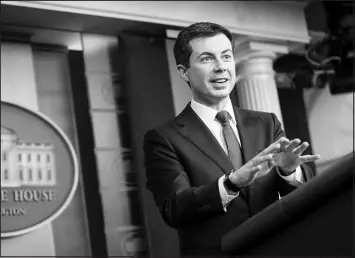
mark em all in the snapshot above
pixel 124 229
pixel 256 85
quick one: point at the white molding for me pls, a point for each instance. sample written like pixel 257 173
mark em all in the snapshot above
pixel 263 46
pixel 255 48
pixel 277 21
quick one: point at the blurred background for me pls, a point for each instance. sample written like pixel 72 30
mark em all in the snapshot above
pixel 104 72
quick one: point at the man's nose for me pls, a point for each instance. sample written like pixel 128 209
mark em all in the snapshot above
pixel 219 66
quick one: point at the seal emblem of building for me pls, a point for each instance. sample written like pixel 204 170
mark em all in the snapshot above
pixel 39 170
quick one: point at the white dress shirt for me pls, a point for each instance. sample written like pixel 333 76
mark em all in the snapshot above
pixel 208 116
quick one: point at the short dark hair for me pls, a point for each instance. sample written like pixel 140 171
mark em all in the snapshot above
pixel 182 48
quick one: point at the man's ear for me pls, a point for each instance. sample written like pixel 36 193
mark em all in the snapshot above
pixel 183 72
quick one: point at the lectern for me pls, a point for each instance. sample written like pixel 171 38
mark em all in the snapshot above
pixel 316 219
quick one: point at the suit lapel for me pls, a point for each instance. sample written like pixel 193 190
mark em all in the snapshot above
pixel 248 133
pixel 194 129
pixel 249 137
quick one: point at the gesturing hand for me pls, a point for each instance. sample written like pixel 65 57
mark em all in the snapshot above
pixel 290 156
pixel 260 164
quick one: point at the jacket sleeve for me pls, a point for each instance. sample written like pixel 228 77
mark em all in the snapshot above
pixel 308 173
pixel 179 203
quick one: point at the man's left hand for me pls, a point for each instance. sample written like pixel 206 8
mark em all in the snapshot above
pixel 290 156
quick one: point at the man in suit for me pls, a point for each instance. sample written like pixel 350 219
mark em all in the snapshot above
pixel 215 165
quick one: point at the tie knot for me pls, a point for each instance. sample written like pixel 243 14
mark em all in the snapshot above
pixel 222 117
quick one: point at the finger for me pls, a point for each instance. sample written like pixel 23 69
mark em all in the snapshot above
pixel 292 145
pixel 283 147
pixel 261 159
pixel 275 146
pixel 272 148
pixel 309 158
pixel 283 141
pixel 255 169
pixel 301 148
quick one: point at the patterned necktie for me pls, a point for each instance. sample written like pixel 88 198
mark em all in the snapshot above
pixel 234 151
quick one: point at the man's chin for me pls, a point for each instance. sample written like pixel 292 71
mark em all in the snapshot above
pixel 217 86
pixel 219 98
pixel 222 92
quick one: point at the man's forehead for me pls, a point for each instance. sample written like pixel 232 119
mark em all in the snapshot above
pixel 216 43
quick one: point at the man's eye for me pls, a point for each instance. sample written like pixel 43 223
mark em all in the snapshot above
pixel 206 59
pixel 227 57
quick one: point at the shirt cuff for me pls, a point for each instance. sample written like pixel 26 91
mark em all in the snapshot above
pixel 295 178
pixel 225 197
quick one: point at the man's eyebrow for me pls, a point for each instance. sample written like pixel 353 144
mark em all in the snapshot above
pixel 205 53
pixel 211 54
pixel 224 51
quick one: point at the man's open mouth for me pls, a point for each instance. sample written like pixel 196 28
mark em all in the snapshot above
pixel 222 80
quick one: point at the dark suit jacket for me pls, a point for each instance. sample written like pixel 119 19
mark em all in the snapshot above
pixel 183 163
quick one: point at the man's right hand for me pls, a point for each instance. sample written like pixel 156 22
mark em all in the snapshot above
pixel 258 166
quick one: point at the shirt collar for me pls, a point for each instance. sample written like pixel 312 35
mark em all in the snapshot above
pixel 209 114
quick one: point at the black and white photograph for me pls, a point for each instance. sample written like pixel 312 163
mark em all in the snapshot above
pixel 177 129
